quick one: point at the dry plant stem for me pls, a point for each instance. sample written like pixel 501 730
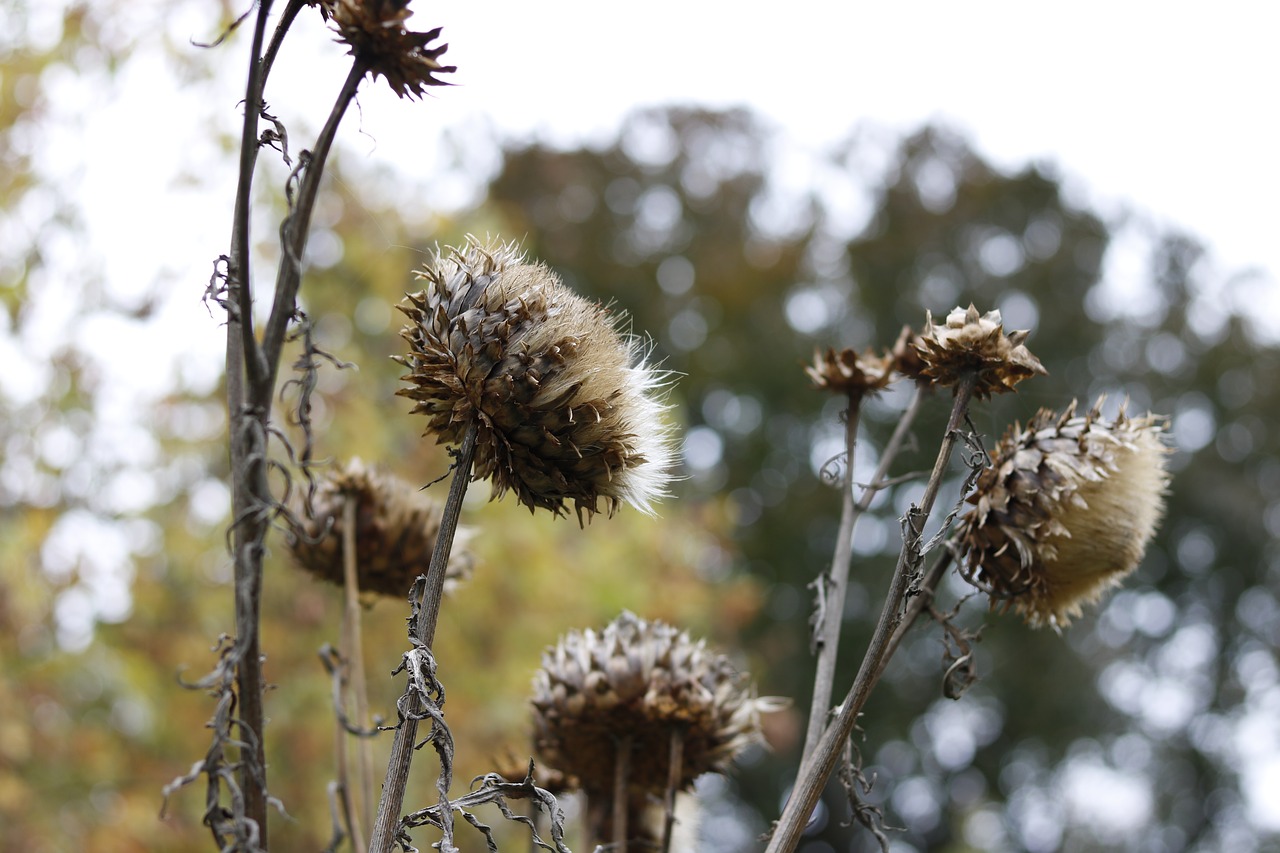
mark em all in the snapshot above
pixel 675 770
pixel 297 226
pixel 621 778
pixel 397 778
pixel 815 772
pixel 247 446
pixel 837 580
pixel 353 647
pixel 251 374
pixel 917 605
pixel 833 623
pixel 291 10
pixel 343 782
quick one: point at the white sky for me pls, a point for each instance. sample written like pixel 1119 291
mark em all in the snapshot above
pixel 1169 106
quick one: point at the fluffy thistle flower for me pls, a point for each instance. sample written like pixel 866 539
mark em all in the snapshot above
pixel 567 409
pixel 645 680
pixel 396 527
pixel 971 343
pixel 1065 511
pixel 375 32
pixel 850 372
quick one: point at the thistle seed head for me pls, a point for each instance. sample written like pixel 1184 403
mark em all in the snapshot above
pixel 850 372
pixel 396 527
pixel 971 343
pixel 646 680
pixel 567 410
pixel 1065 511
pixel 375 32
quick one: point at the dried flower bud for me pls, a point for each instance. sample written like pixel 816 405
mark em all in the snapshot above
pixel 645 680
pixel 1065 511
pixel 906 358
pixel 375 32
pixel 972 343
pixel 396 527
pixel 848 372
pixel 566 407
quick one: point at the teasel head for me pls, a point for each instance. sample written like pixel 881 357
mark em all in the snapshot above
pixel 375 33
pixel 969 343
pixel 1065 511
pixel 643 680
pixel 850 372
pixel 395 531
pixel 566 408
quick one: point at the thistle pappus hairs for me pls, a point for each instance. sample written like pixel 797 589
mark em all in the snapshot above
pixel 567 409
pixel 1065 511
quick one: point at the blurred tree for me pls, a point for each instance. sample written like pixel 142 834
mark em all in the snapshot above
pixel 1122 734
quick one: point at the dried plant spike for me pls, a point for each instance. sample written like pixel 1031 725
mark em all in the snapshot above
pixel 375 32
pixel 850 372
pixel 568 411
pixel 396 527
pixel 642 680
pixel 969 342
pixel 1066 510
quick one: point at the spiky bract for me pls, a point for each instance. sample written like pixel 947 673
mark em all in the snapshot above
pixel 1065 511
pixel 644 680
pixel 970 343
pixel 567 409
pixel 850 372
pixel 396 527
pixel 376 34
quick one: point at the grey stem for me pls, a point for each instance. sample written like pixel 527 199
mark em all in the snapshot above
pixel 815 772
pixel 397 779
pixel 833 617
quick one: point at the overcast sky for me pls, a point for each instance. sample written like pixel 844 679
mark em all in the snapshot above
pixel 1171 107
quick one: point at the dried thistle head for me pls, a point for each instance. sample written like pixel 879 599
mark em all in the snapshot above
pixel 906 357
pixel 396 527
pixel 644 680
pixel 850 372
pixel 375 33
pixel 567 409
pixel 971 343
pixel 1065 511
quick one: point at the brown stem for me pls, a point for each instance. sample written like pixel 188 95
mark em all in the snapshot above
pixel 397 778
pixel 833 618
pixel 297 227
pixel 675 772
pixel 815 772
pixel 621 781
pixel 353 648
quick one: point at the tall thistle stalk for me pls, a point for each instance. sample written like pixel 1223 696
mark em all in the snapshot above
pixel 235 764
pixel 971 354
pixel 543 397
